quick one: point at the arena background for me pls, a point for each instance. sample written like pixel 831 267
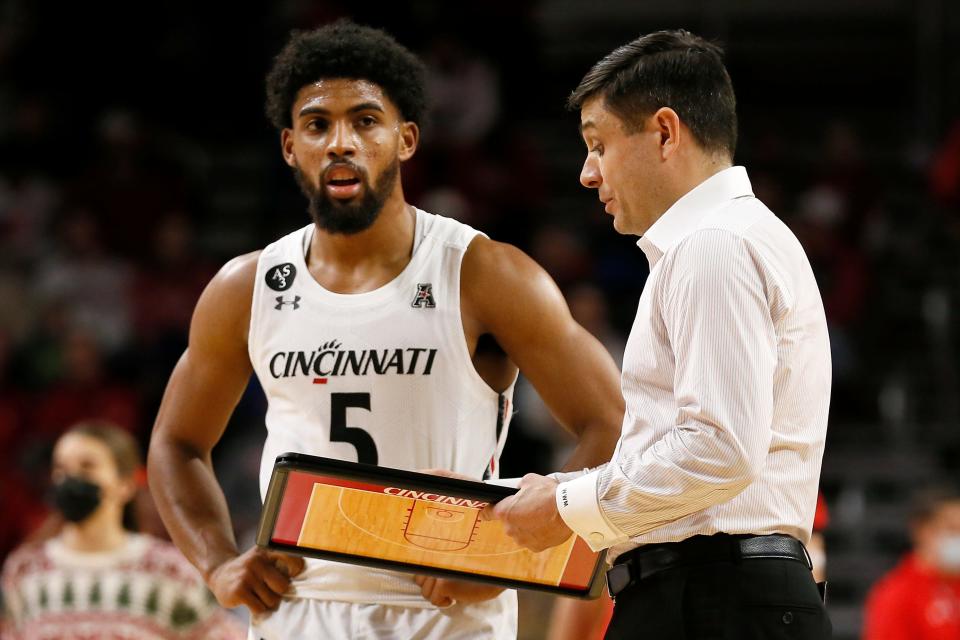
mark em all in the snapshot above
pixel 135 159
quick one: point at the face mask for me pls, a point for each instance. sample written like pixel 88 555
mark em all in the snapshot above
pixel 948 554
pixel 76 498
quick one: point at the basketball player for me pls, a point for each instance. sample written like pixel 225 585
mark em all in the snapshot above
pixel 380 333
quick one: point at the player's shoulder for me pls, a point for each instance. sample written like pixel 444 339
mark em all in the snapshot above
pixel 486 258
pixel 499 278
pixel 241 269
pixel 223 310
pixel 236 278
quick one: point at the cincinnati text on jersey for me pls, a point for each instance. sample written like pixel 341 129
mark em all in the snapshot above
pixel 435 497
pixel 329 361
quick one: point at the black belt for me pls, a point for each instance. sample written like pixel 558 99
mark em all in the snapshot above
pixel 639 564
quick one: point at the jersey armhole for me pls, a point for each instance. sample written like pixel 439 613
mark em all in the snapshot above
pixel 460 334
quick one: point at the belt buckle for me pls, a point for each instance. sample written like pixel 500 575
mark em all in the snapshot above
pixel 618 578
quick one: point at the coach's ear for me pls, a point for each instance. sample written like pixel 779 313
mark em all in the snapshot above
pixel 286 147
pixel 668 127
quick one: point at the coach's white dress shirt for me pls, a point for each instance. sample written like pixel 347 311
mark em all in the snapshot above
pixel 726 378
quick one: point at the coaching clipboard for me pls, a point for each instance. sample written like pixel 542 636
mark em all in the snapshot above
pixel 393 519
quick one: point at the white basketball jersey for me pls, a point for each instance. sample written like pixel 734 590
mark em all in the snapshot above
pixel 382 377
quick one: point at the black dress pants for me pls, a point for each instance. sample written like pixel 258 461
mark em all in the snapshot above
pixel 747 599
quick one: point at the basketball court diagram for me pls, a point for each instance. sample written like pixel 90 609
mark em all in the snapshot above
pixel 363 519
pixel 440 528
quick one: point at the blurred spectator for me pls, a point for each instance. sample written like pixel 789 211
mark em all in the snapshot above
pixel 920 598
pixel 168 285
pixel 29 146
pixel 38 358
pixel 840 269
pixel 451 202
pixel 165 292
pixel 817 547
pixel 19 495
pixel 843 170
pixel 562 253
pixel 84 391
pixel 464 94
pixel 129 182
pixel 97 579
pixel 945 169
pixel 588 305
pixel 27 203
pixel 497 184
pixel 18 314
pixel 92 286
pixel 11 403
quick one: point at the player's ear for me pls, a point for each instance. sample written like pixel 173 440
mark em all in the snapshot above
pixel 409 139
pixel 286 147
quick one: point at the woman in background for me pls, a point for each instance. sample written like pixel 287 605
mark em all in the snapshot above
pixel 97 579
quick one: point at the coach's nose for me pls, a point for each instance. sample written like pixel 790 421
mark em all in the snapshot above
pixel 590 173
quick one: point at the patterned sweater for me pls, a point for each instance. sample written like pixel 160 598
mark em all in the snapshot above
pixel 145 590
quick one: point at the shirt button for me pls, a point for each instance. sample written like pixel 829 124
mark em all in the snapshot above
pixel 596 537
pixel 788 617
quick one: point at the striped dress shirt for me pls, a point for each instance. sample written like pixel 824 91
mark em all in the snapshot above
pixel 726 378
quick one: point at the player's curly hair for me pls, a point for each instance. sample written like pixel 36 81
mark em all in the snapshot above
pixel 344 49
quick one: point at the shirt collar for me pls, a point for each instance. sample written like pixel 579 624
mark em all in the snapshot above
pixel 681 219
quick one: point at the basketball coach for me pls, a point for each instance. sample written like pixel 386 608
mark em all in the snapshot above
pixel 710 495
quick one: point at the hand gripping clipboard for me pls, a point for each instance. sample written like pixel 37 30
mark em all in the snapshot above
pixel 415 522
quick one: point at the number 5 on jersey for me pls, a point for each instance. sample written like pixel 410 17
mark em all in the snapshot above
pixel 340 432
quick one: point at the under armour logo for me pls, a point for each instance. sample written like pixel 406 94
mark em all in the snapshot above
pixel 424 297
pixel 280 302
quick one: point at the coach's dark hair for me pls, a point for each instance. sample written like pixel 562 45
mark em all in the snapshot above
pixel 344 49
pixel 673 69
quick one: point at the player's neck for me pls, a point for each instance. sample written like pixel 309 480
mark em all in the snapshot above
pixel 345 262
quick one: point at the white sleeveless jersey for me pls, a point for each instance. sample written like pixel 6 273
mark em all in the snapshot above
pixel 382 377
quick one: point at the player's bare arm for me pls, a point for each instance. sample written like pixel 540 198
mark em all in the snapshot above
pixel 203 391
pixel 508 297
pixel 511 307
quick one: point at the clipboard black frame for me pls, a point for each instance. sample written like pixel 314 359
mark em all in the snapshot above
pixel 357 471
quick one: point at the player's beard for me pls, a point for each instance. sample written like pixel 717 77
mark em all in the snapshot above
pixel 354 215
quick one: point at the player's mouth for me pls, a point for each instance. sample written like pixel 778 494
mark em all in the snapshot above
pixel 342 182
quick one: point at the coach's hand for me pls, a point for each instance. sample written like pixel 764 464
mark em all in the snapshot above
pixel 530 516
pixel 442 592
pixel 256 579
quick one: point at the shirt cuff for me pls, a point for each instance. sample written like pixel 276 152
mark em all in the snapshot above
pixel 578 506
